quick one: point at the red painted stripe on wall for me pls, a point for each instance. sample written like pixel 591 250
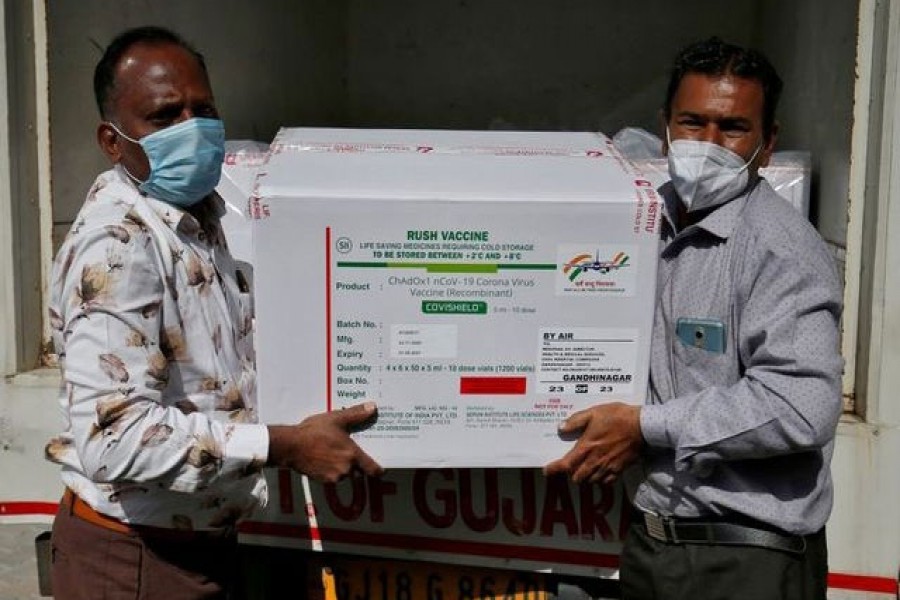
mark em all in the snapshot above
pixel 10 509
pixel 492 385
pixel 863 583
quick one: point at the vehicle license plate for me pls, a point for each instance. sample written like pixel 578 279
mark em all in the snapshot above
pixel 374 579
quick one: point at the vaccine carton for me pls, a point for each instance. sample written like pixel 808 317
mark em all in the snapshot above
pixel 480 287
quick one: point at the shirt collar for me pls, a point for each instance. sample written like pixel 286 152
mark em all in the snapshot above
pixel 176 218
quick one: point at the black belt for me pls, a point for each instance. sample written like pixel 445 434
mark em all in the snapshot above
pixel 677 531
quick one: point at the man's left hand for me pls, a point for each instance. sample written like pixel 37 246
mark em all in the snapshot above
pixel 610 440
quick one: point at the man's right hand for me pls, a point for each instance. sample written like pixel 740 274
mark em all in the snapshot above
pixel 321 446
pixel 609 440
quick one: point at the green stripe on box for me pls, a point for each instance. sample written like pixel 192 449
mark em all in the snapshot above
pixel 449 267
pixel 365 265
pixel 528 267
pixel 460 268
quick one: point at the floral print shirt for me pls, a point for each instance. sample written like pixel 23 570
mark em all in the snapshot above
pixel 155 341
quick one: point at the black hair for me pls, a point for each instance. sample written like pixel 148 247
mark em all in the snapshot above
pixel 105 71
pixel 715 58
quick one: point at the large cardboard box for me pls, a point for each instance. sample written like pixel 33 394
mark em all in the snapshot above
pixel 479 286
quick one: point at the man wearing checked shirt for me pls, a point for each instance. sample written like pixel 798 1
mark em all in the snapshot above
pixel 732 448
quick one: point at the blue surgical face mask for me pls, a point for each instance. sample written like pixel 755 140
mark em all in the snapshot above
pixel 185 160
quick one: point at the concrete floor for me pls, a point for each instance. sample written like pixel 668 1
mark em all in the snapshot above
pixel 28 418
pixel 18 564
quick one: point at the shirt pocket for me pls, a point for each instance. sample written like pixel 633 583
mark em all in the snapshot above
pixel 696 368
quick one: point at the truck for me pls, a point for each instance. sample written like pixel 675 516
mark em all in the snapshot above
pixel 513 65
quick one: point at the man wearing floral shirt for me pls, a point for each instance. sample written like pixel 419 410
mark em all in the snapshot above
pixel 162 454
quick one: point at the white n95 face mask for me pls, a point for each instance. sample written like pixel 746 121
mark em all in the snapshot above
pixel 706 174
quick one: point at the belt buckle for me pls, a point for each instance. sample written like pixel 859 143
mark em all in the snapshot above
pixel 656 526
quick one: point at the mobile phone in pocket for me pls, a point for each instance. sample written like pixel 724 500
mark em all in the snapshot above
pixel 706 334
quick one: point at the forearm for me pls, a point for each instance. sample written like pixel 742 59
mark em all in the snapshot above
pixel 144 441
pixel 749 420
pixel 279 445
pixel 320 446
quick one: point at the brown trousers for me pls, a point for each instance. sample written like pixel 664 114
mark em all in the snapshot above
pixel 89 562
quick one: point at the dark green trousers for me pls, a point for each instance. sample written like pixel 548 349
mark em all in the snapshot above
pixel 653 570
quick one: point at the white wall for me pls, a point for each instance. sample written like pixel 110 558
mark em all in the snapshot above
pixel 864 531
pixel 7 270
pixel 20 239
